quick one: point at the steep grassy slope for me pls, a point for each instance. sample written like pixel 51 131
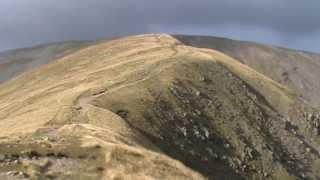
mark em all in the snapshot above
pixel 132 107
pixel 15 62
pixel 295 69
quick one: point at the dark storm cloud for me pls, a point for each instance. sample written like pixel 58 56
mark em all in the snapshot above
pixel 293 23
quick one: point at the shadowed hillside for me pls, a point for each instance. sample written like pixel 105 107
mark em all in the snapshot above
pixel 15 62
pixel 297 70
pixel 150 107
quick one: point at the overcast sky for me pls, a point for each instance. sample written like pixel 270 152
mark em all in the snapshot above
pixel 289 23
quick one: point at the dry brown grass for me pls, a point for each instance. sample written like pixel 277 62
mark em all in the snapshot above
pixel 61 94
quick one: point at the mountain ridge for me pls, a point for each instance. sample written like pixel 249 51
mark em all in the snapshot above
pixel 151 107
pixel 278 63
pixel 222 38
pixel 296 70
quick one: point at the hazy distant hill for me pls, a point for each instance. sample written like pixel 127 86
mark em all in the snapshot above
pixel 297 70
pixel 17 61
pixel 151 107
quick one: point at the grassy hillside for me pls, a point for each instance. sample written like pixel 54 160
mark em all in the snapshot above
pixel 15 62
pixel 297 70
pixel 150 107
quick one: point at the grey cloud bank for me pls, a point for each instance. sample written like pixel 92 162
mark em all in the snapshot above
pixel 290 23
